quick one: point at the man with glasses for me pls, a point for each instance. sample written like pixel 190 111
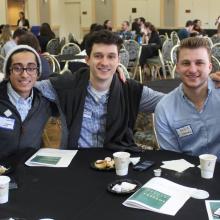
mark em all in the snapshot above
pixel 23 110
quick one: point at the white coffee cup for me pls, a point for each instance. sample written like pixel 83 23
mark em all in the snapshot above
pixel 207 165
pixel 122 160
pixel 4 188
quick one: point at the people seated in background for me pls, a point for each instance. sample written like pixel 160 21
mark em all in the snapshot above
pixel 185 32
pixel 46 34
pixel 151 39
pixel 13 42
pixel 24 111
pixel 32 41
pixel 186 119
pixel 22 21
pixel 197 29
pixel 125 33
pixel 101 110
pixel 107 25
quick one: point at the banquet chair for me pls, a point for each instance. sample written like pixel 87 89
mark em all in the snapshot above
pixel 173 60
pixel 70 48
pixel 156 142
pixel 174 38
pixel 134 50
pixel 209 41
pixel 53 62
pixel 156 64
pixel 124 57
pixel 53 46
pixel 163 38
pixel 125 71
pixel 216 51
pixel 215 64
pixel 166 53
pixel 215 39
pixel 2 60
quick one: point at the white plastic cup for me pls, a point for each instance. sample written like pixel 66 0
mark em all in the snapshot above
pixel 4 189
pixel 207 165
pixel 122 160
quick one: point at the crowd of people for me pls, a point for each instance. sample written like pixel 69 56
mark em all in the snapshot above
pixel 97 108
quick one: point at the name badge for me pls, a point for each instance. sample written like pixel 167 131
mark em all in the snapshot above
pixel 87 114
pixel 184 131
pixel 7 123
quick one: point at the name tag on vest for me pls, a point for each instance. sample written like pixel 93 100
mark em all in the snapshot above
pixel 7 123
pixel 184 131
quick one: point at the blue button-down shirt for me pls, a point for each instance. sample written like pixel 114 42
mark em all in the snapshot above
pixel 182 128
pixel 22 105
pixel 92 132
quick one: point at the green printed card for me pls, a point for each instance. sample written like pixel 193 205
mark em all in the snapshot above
pixel 150 197
pixel 46 160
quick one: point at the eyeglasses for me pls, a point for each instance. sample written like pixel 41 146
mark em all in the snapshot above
pixel 18 69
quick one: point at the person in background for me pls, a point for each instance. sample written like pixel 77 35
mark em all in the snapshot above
pixel 6 34
pixel 46 34
pixel 125 33
pixel 107 25
pixel 13 42
pixel 22 21
pixel 151 42
pixel 135 26
pixel 185 32
pixel 186 119
pixel 1 27
pixel 24 111
pixel 32 41
pixel 197 28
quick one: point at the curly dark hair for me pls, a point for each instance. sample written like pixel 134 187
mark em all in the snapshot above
pixel 102 37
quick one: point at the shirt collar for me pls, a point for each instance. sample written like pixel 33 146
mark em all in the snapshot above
pixel 15 98
pixel 96 95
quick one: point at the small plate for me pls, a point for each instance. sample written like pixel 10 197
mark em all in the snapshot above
pixel 110 185
pixel 101 169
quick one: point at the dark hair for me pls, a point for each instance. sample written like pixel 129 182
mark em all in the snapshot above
pixel 19 32
pixel 189 23
pixel 127 23
pixel 45 30
pixel 195 22
pixel 150 26
pixel 9 61
pixel 142 19
pixel 1 27
pixel 22 13
pixel 102 37
pixel 105 25
pixel 30 40
pixel 194 43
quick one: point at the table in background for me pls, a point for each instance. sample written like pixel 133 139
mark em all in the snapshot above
pixel 164 85
pixel 79 192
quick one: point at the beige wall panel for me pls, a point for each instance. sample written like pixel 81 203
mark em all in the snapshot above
pixel 206 11
pixel 149 9
pixel 33 12
pixel 3 7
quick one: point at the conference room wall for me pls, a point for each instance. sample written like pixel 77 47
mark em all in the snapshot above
pixel 206 11
pixel 152 10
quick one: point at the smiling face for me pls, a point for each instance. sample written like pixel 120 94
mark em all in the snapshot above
pixel 194 67
pixel 23 83
pixel 103 62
